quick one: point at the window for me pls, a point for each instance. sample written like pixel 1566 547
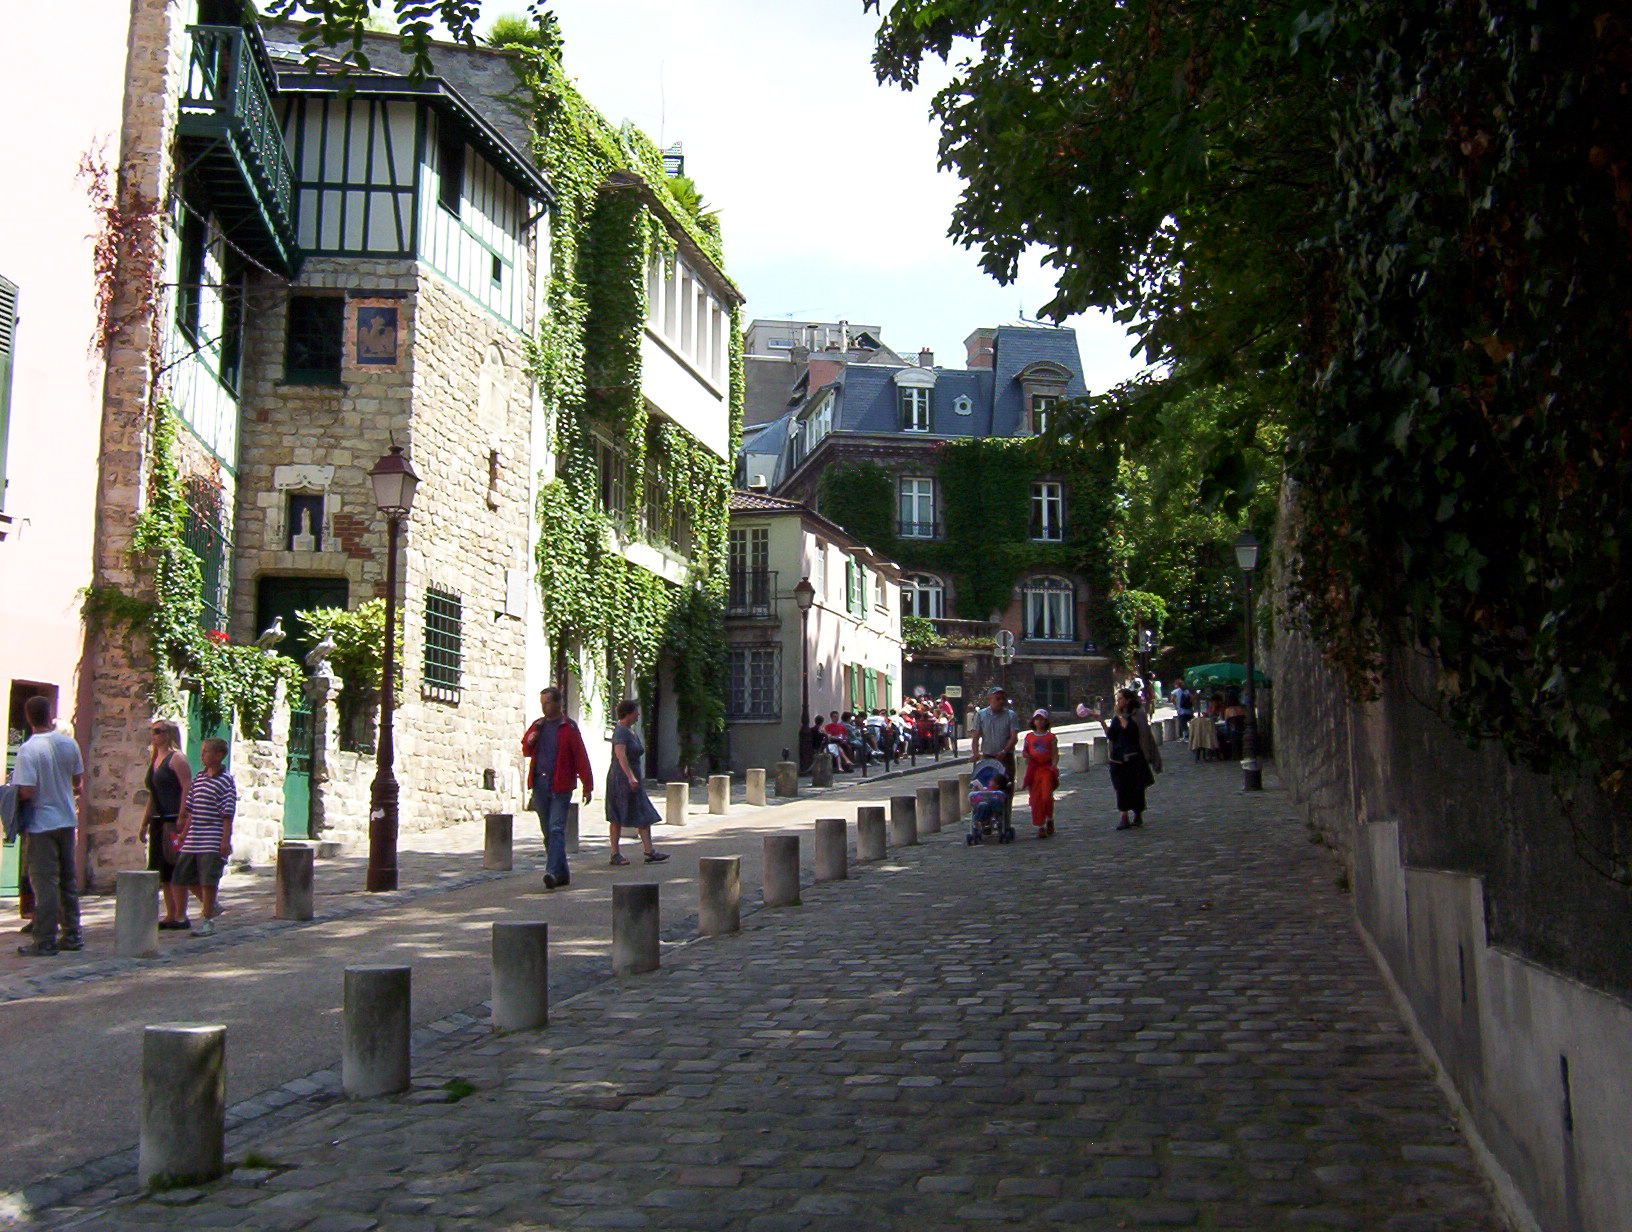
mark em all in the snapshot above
pixel 914 410
pixel 303 529
pixel 917 507
pixel 1050 605
pixel 450 165
pixel 8 344
pixel 855 587
pixel 750 585
pixel 497 270
pixel 1052 692
pixel 444 645
pixel 614 470
pixel 190 275
pixel 315 339
pixel 754 683
pixel 232 319
pixel 963 405
pixel 923 595
pixel 206 538
pixel 1048 511
pixel 1042 409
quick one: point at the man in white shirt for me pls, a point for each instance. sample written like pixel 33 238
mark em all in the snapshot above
pixel 49 778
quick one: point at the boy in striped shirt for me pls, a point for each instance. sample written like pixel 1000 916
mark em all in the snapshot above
pixel 205 830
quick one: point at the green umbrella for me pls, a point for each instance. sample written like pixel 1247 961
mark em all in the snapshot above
pixel 1228 675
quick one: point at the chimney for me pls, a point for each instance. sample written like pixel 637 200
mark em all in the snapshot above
pixel 982 348
pixel 926 358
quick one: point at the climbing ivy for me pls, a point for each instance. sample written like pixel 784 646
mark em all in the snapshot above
pixel 611 190
pixel 232 679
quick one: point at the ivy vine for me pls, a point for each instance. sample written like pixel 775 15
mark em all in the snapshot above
pixel 232 680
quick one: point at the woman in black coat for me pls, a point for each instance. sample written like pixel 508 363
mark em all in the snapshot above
pixel 1134 758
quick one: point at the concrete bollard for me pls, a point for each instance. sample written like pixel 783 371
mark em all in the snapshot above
pixel 573 843
pixel 1099 751
pixel 950 812
pixel 293 882
pixel 498 844
pixel 756 786
pixel 719 895
pixel 928 810
pixel 870 833
pixel 787 778
pixel 677 797
pixel 377 1021
pixel 1080 762
pixel 136 914
pixel 184 1103
pixel 521 975
pixel 903 821
pixel 781 876
pixel 963 794
pixel 719 794
pixel 634 928
pixel 821 770
pixel 832 849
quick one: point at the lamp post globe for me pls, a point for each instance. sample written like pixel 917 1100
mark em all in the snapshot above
pixel 1252 774
pixel 395 482
pixel 804 595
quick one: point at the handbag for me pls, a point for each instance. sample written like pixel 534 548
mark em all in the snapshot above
pixel 170 841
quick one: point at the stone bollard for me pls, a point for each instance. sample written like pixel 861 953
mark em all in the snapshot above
pixel 832 849
pixel 1080 762
pixel 719 895
pixel 184 1103
pixel 498 845
pixel 293 889
pixel 136 914
pixel 781 876
pixel 573 845
pixel 870 833
pixel 521 975
pixel 677 797
pixel 756 786
pixel 963 794
pixel 928 810
pixel 1099 751
pixel 903 821
pixel 719 794
pixel 787 778
pixel 634 928
pixel 950 812
pixel 377 1021
pixel 821 770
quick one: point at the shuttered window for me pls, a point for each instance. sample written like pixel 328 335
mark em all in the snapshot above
pixel 8 338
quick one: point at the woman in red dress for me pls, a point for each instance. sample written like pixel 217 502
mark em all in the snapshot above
pixel 1042 774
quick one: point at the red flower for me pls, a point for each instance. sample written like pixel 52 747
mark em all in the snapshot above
pixel 216 636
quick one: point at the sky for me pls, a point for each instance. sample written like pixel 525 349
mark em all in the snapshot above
pixel 826 182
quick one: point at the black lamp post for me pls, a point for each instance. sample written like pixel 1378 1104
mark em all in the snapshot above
pixel 804 594
pixel 394 482
pixel 1252 776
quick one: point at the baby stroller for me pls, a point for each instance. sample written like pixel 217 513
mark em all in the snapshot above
pixel 991 796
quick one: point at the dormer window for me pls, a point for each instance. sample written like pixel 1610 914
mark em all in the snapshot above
pixel 914 410
pixel 1042 410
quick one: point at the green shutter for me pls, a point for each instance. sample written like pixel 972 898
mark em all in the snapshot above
pixel 8 342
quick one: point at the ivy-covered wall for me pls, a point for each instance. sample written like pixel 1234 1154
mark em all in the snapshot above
pixel 597 605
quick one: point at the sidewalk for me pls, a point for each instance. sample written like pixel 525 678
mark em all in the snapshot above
pixel 1172 1027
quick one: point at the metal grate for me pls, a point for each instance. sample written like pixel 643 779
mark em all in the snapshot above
pixel 754 682
pixel 206 538
pixel 298 759
pixel 444 645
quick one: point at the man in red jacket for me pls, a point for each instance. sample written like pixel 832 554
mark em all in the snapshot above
pixel 557 758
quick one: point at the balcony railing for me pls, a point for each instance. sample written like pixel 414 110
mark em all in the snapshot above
pixel 751 592
pixel 918 530
pixel 966 633
pixel 226 107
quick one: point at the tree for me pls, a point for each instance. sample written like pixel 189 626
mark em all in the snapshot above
pixel 337 27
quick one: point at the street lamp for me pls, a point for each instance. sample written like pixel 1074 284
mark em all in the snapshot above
pixel 1252 776
pixel 1147 643
pixel 804 594
pixel 394 482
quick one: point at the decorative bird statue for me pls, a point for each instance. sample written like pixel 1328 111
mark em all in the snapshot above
pixel 274 634
pixel 318 654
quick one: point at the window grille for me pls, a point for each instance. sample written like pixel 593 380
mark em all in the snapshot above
pixel 754 689
pixel 315 339
pixel 206 538
pixel 444 645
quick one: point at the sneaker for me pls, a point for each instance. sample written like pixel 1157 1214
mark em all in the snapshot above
pixel 71 943
pixel 36 951
pixel 204 928
pixel 618 861
pixel 656 857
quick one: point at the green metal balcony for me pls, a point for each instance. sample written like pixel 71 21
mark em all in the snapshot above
pixel 232 142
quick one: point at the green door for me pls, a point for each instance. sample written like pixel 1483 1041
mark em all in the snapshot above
pixel 297 774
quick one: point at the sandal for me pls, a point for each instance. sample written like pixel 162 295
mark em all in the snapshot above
pixel 618 860
pixel 656 857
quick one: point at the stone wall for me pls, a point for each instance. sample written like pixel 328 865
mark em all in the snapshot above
pixel 259 764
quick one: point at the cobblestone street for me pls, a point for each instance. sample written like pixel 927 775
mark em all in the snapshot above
pixel 1173 1027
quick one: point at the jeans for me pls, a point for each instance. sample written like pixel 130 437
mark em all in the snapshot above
pixel 51 870
pixel 552 820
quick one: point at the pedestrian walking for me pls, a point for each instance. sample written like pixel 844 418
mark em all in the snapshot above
pixel 1134 758
pixel 627 805
pixel 1042 773
pixel 996 731
pixel 558 759
pixel 168 777
pixel 205 829
pixel 50 777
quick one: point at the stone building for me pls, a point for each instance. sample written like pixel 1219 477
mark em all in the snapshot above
pixel 896 419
